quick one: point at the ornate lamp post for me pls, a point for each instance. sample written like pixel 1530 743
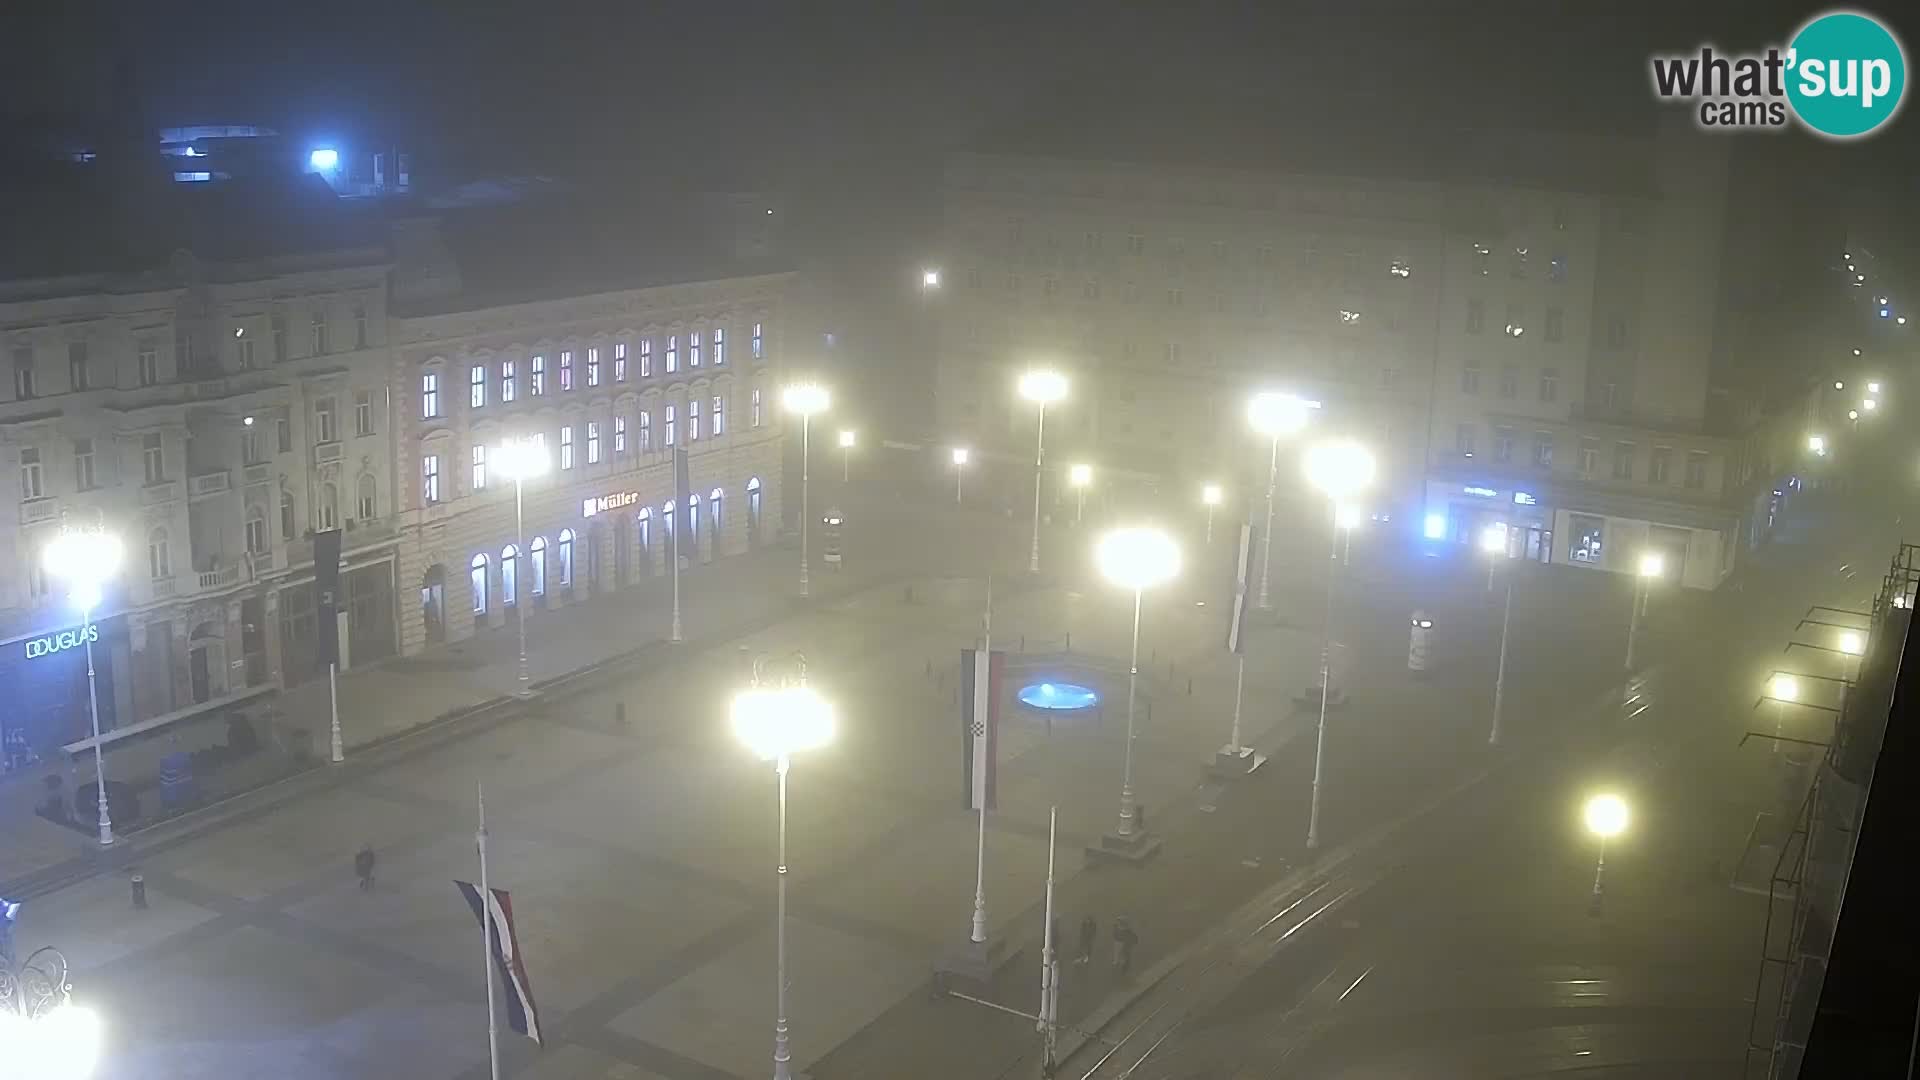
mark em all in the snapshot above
pixel 85 559
pixel 1043 387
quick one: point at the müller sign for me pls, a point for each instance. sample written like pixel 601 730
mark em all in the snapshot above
pixel 604 504
pixel 65 639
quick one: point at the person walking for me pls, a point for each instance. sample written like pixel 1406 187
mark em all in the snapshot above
pixel 363 867
pixel 1089 930
pixel 1124 940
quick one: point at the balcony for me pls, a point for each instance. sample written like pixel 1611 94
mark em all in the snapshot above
pixel 326 452
pixel 220 576
pixel 164 491
pixel 163 588
pixel 257 474
pixel 34 511
pixel 210 483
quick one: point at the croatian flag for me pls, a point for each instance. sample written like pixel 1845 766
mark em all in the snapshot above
pixel 1242 567
pixel 980 725
pixel 523 1015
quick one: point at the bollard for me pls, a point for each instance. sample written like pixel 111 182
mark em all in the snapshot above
pixel 929 671
pixel 1189 686
pixel 1069 643
pixel 620 715
pixel 139 893
pixel 1023 643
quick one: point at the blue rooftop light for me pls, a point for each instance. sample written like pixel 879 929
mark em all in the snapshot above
pixel 1064 697
pixel 325 159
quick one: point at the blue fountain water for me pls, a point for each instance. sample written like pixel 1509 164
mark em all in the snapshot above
pixel 1060 696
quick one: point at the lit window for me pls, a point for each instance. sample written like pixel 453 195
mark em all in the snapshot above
pixel 673 353
pixel 669 426
pixel 429 397
pixel 538 551
pixel 430 478
pixel 1348 316
pixel 477 583
pixel 566 447
pixel 693 349
pixel 719 346
pixel 646 357
pixel 619 361
pixel 538 377
pixel 593 442
pixel 619 434
pixel 1400 268
pixel 758 350
pixel 719 415
pixel 509 557
pixel 508 383
pixel 566 369
pixel 477 386
pixel 479 467
pixel 646 431
pixel 566 557
pixel 593 367
pixel 693 419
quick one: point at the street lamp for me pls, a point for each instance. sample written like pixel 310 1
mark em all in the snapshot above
pixel 1273 415
pixel 1606 818
pixel 1817 444
pixel 1783 689
pixel 1852 643
pixel 960 456
pixel 1338 469
pixel 1838 385
pixel 1346 518
pixel 929 280
pixel 1494 542
pixel 42 1033
pixel 1043 387
pixel 1137 559
pixel 1080 476
pixel 847 439
pixel 1870 404
pixel 776 722
pixel 1873 388
pixel 1211 496
pixel 805 399
pixel 85 559
pixel 521 460
pixel 1652 565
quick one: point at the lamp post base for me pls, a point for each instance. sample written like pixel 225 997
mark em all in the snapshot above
pixel 1135 849
pixel 1233 762
pixel 975 962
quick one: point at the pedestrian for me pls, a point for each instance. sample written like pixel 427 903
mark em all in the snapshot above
pixel 1089 930
pixel 1124 939
pixel 363 866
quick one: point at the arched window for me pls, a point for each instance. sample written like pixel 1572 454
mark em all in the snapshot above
pixel 714 499
pixel 327 514
pixel 286 514
pixel 257 542
pixel 159 559
pixel 509 575
pixel 666 524
pixel 566 557
pixel 645 518
pixel 693 519
pixel 538 549
pixel 753 505
pixel 364 506
pixel 477 579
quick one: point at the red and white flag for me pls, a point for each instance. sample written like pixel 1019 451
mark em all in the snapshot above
pixel 980 725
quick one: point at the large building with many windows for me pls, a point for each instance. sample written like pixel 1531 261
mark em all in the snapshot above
pixel 1521 328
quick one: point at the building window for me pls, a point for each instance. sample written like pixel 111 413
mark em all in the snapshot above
pixel 477 583
pixel 1696 477
pixel 286 514
pixel 1658 463
pixel 759 352
pixel 1482 259
pixel 1549 384
pixel 693 419
pixel 83 464
pixel 619 434
pixel 673 353
pixel 509 588
pixel 283 433
pixel 243 352
pixel 364 498
pixel 669 442
pixel 477 387
pixel 1176 298
pixel 755 397
pixel 279 324
pixel 1584 546
pixel 32 480
pixel 537 379
pixel 1589 456
pixel 593 442
pixel 159 558
pixel 77 376
pixel 328 512
pixel 719 346
pixel 182 349
pixel 153 458
pixel 566 369
pixel 149 365
pixel 1610 396
pixel 646 430
pixel 566 446
pixel 1470 376
pixel 251 450
pixel 23 381
pixel 326 424
pixel 1476 316
pixel 1616 331
pixel 1556 324
pixel 430 478
pixel 693 349
pixel 1543 450
pixel 719 415
pixel 319 333
pixel 1503 444
pixel 1557 269
pixel 363 412
pixel 538 567
pixel 1623 461
pixel 1514 326
pixel 1517 264
pixel 1509 381
pixel 753 505
pixel 359 326
pixel 256 531
pixel 566 557
pixel 646 357
pixel 479 452
pixel 507 381
pixel 1463 440
pixel 593 366
pixel 619 361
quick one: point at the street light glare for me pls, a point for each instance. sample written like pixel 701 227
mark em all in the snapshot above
pixel 521 459
pixel 1784 687
pixel 1873 388
pixel 1817 444
pixel 1652 564
pixel 1339 469
pixel 1852 643
pixel 1346 516
pixel 1853 414
pixel 1838 385
pixel 1870 404
pixel 774 722
pixel 1211 494
pixel 1080 475
pixel 1043 386
pixel 959 455
pixel 1275 414
pixel 83 558
pixel 64 1042
pixel 1137 558
pixel 1606 816
pixel 1493 540
pixel 847 438
pixel 805 398
pixel 930 278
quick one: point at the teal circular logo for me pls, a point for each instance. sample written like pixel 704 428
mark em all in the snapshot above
pixel 1847 75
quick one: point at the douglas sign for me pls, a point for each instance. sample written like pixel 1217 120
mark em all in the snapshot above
pixel 65 639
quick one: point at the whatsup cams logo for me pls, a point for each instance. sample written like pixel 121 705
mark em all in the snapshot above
pixel 1843 75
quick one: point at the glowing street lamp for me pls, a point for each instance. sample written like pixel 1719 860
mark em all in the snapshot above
pixel 929 280
pixel 85 559
pixel 960 456
pixel 805 399
pixel 1652 565
pixel 1136 559
pixel 1211 497
pixel 1852 643
pixel 1080 476
pixel 1817 445
pixel 1870 405
pixel 42 1032
pixel 1043 387
pixel 1274 415
pixel 1493 541
pixel 1606 817
pixel 521 460
pixel 1339 469
pixel 776 722
pixel 1873 388
pixel 847 439
pixel 1784 689
pixel 1839 385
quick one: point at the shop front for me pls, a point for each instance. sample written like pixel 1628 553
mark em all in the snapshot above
pixel 46 678
pixel 1462 514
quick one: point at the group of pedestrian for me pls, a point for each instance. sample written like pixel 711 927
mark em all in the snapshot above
pixel 1125 939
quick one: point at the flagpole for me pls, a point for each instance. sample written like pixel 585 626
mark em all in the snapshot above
pixel 1239 686
pixel 676 638
pixel 980 854
pixel 486 937
pixel 1049 962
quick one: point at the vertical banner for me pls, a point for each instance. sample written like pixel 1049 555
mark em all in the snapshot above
pixel 326 593
pixel 1242 566
pixel 980 677
pixel 523 1015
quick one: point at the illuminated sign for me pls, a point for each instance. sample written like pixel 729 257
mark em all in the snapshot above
pixel 1481 493
pixel 604 504
pixel 65 639
pixel 1524 498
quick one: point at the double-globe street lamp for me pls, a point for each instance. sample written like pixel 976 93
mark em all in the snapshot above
pixel 1275 416
pixel 777 720
pixel 1606 817
pixel 84 559
pixel 805 399
pixel 1136 559
pixel 521 460
pixel 1043 387
pixel 1339 469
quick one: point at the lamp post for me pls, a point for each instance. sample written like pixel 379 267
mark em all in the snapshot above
pixel 1043 387
pixel 1339 469
pixel 1494 542
pixel 1211 496
pixel 1346 518
pixel 847 439
pixel 1079 476
pixel 929 281
pixel 42 1033
pixel 805 399
pixel 1652 565
pixel 960 456
pixel 1136 559
pixel 1606 817
pixel 776 721
pixel 521 460
pixel 85 559
pixel 1273 415
pixel 1782 688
